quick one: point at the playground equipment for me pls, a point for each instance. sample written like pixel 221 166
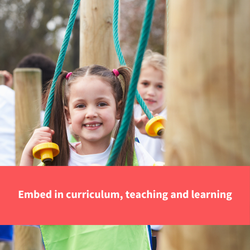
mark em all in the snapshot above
pixel 149 11
pixel 155 126
pixel 46 151
pixel 208 104
pixel 208 121
pixel 27 82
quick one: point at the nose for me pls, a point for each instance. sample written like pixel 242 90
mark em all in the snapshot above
pixel 91 112
pixel 151 91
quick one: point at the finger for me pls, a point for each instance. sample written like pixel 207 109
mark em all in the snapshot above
pixel 45 129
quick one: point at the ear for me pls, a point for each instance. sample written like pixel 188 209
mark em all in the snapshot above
pixel 67 114
pixel 118 111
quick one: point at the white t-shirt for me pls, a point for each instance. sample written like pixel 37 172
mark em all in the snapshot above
pixel 7 126
pixel 154 146
pixel 144 159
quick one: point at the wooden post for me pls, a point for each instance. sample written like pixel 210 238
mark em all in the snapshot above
pixel 208 104
pixel 96 37
pixel 205 237
pixel 1 79
pixel 27 238
pixel 28 94
pixel 208 83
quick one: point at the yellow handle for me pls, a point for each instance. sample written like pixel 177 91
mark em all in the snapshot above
pixel 46 151
pixel 155 126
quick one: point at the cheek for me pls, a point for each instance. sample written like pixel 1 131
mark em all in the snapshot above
pixel 108 115
pixel 141 89
pixel 161 96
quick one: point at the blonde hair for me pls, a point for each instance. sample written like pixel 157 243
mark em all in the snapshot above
pixel 155 60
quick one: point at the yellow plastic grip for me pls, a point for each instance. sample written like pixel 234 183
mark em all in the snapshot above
pixel 46 151
pixel 155 126
pixel 159 163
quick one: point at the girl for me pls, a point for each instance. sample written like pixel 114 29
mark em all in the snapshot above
pixel 151 88
pixel 93 99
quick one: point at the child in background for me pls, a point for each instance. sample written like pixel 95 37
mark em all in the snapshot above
pixel 92 100
pixel 151 88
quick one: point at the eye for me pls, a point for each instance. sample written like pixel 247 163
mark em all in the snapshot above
pixel 145 83
pixel 159 86
pixel 102 104
pixel 80 106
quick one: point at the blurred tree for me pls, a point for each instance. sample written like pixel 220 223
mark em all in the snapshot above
pixel 36 26
pixel 131 18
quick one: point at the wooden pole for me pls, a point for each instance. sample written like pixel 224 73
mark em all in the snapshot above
pixel 28 94
pixel 208 83
pixel 208 104
pixel 205 237
pixel 96 38
pixel 1 79
pixel 27 238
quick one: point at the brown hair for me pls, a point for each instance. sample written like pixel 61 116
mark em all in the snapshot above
pixel 119 85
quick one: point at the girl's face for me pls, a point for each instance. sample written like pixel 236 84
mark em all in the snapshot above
pixel 92 109
pixel 150 87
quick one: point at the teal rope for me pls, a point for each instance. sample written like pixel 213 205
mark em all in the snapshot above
pixel 121 58
pixel 133 85
pixel 115 33
pixel 60 61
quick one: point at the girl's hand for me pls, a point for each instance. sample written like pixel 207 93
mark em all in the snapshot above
pixel 140 123
pixel 40 135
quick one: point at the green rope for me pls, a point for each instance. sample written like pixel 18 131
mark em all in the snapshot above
pixel 133 85
pixel 115 33
pixel 121 58
pixel 60 61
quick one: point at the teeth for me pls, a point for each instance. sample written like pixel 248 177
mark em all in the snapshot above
pixel 92 125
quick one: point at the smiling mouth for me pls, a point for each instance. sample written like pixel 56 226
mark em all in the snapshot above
pixel 150 100
pixel 92 125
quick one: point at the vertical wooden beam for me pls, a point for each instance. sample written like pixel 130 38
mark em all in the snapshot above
pixel 205 237
pixel 208 83
pixel 96 37
pixel 28 94
pixel 208 104
pixel 27 238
